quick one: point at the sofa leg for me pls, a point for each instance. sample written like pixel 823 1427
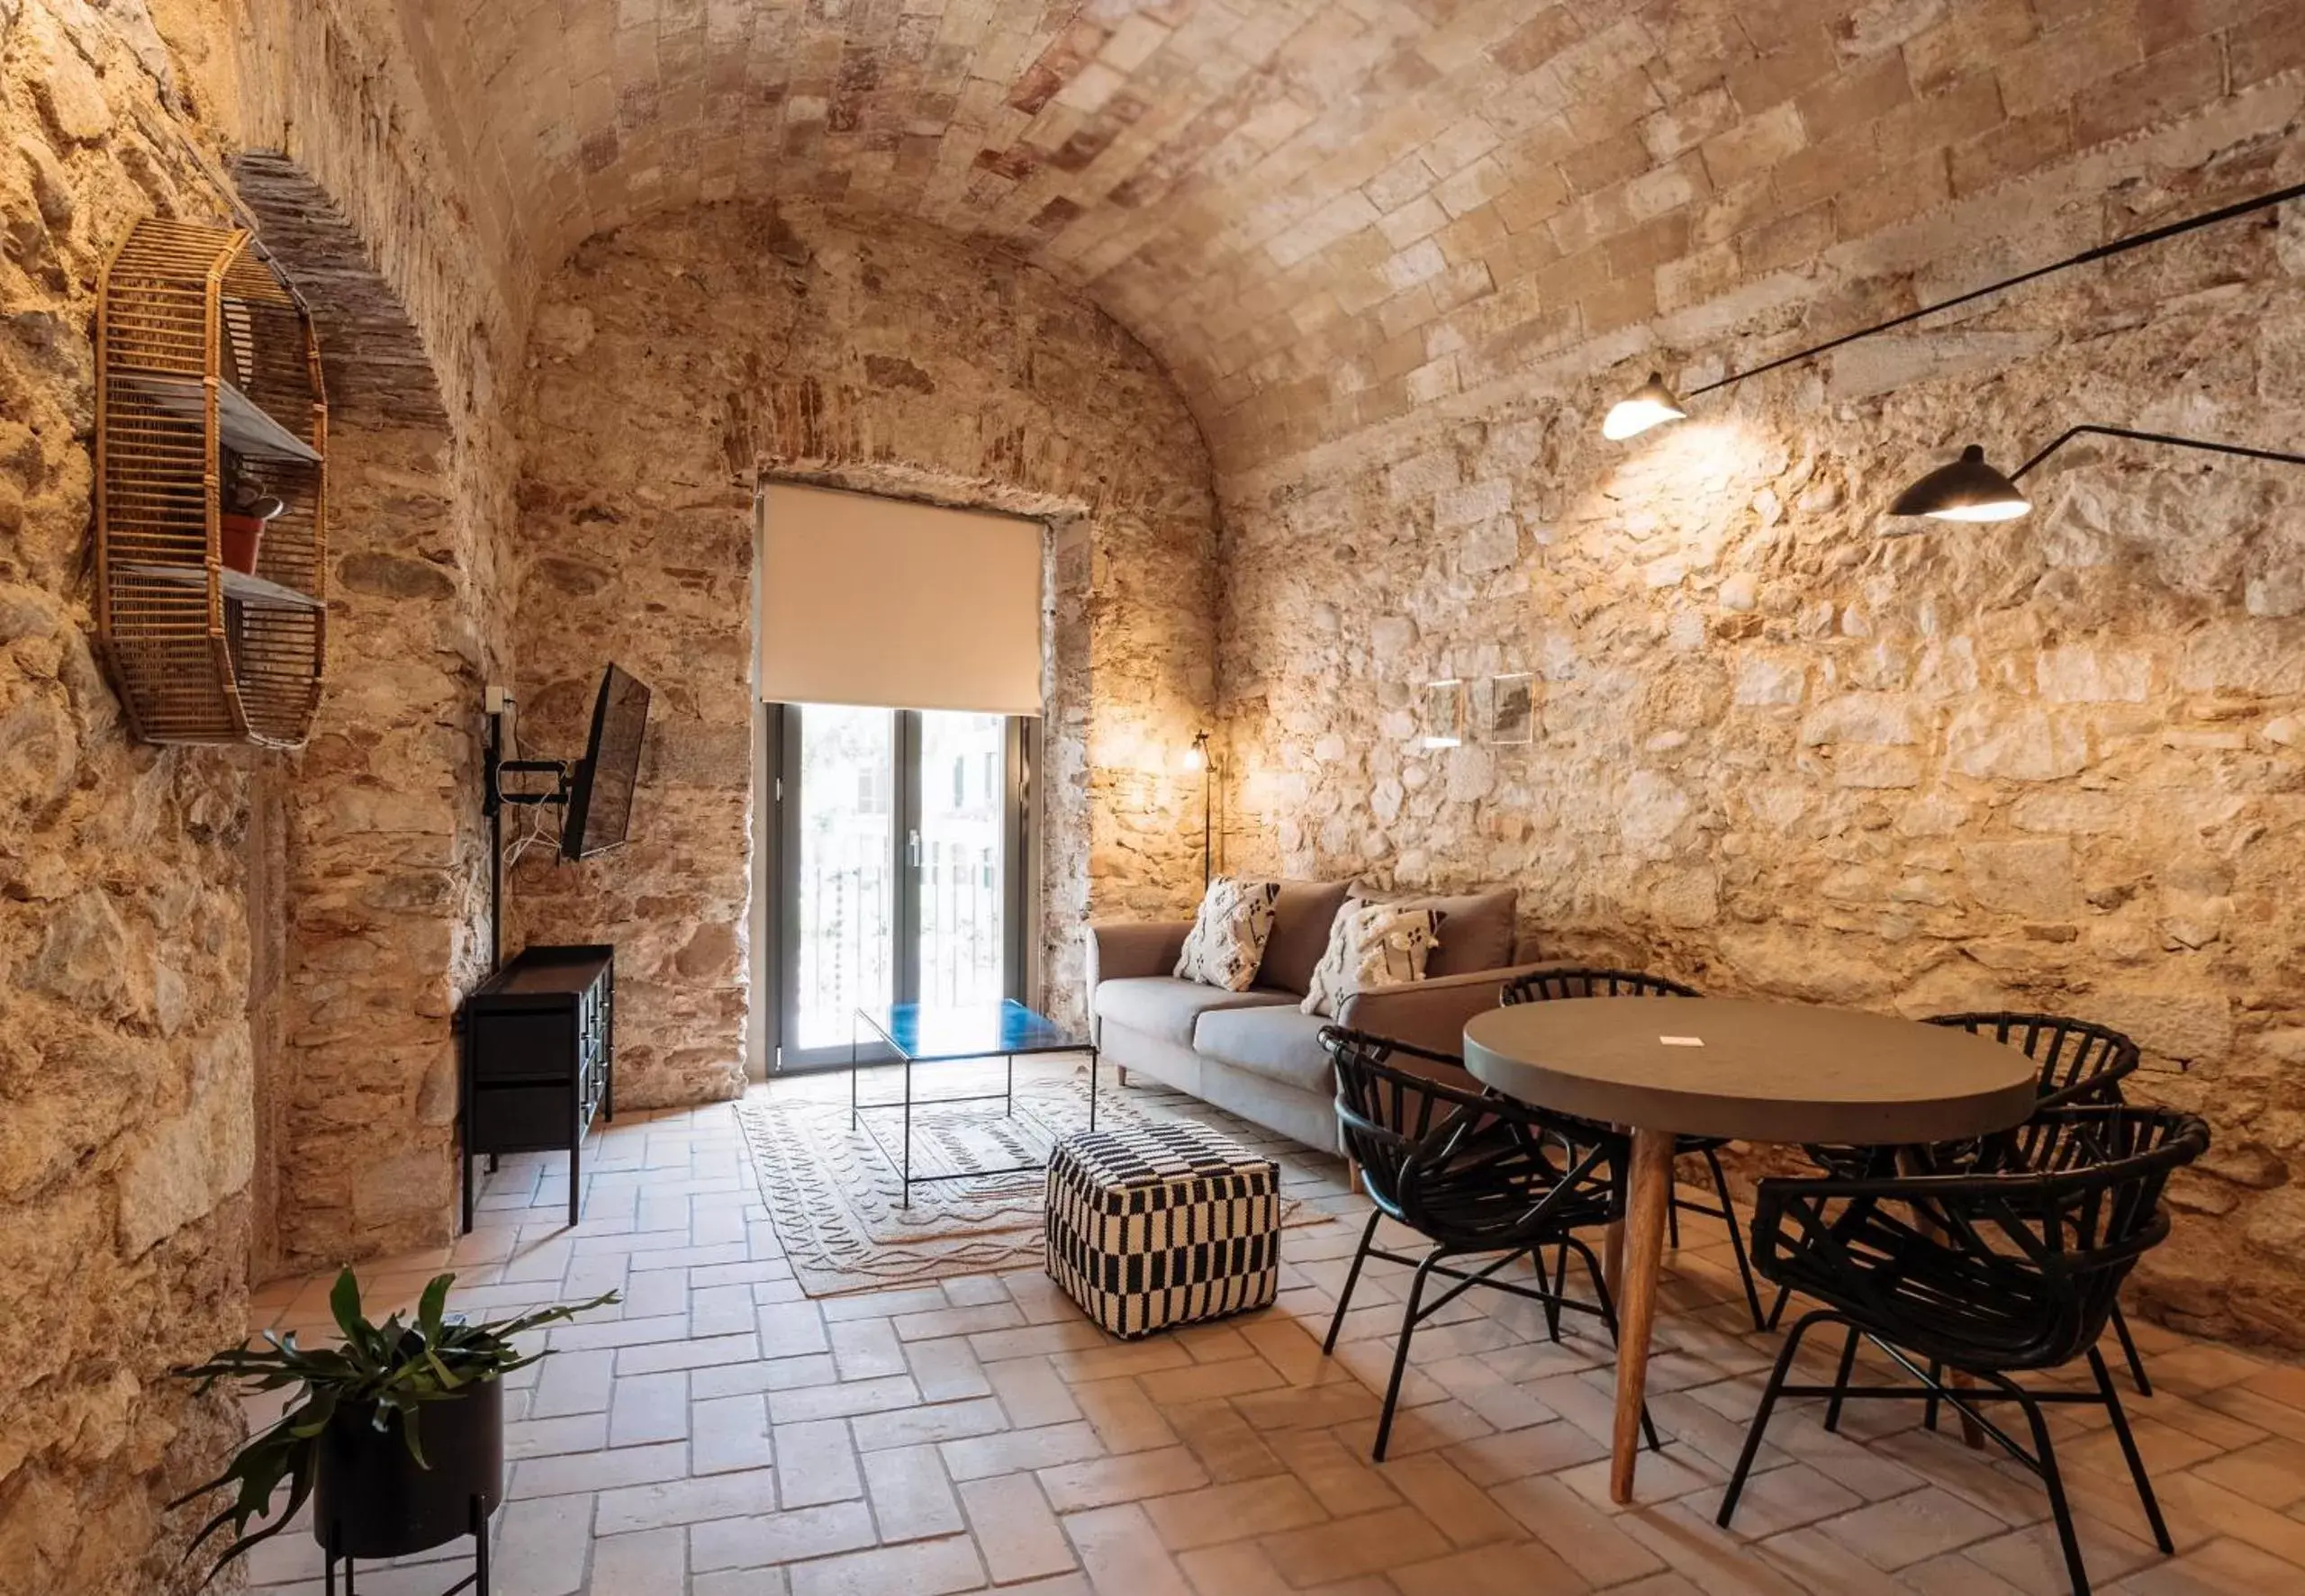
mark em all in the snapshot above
pixel 1121 1071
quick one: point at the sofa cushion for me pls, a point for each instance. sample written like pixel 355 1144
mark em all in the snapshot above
pixel 1166 1007
pixel 1226 942
pixel 1301 919
pixel 1281 1044
pixel 1374 946
pixel 1477 933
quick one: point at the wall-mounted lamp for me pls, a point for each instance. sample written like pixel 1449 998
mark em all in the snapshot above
pixel 1653 403
pixel 1970 490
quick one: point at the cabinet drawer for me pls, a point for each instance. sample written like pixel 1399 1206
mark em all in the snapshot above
pixel 520 1119
pixel 523 1047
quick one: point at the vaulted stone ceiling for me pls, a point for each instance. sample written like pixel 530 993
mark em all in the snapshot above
pixel 1321 214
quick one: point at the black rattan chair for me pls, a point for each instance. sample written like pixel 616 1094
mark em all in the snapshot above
pixel 2080 1063
pixel 1474 1173
pixel 1546 985
pixel 2011 1267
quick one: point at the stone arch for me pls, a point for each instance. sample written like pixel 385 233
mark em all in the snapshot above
pixel 802 342
pixel 358 872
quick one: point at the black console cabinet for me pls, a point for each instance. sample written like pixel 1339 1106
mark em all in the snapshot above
pixel 540 1058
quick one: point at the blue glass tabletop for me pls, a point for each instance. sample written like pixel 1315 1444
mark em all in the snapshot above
pixel 926 1032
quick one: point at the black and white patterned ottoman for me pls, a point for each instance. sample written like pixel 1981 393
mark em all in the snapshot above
pixel 1162 1224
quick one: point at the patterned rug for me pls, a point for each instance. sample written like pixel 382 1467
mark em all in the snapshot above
pixel 832 1193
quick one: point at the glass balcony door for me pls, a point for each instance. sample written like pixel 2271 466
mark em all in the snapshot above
pixel 900 834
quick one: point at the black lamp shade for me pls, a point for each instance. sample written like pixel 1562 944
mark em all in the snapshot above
pixel 1966 490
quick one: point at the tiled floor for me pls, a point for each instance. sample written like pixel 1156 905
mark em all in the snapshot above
pixel 721 1435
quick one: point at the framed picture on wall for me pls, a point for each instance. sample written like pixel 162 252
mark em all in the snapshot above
pixel 1512 709
pixel 1444 713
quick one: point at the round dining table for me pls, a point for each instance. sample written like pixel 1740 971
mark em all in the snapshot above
pixel 1770 1072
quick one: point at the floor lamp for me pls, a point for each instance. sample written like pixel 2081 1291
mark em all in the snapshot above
pixel 1197 758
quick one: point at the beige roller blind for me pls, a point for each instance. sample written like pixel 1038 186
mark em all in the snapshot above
pixel 880 601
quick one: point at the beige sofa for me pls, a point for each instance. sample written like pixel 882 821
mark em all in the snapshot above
pixel 1255 1053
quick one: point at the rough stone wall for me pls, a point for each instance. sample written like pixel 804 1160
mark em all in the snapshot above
pixel 2053 764
pixel 386 861
pixel 882 356
pixel 141 888
pixel 125 1135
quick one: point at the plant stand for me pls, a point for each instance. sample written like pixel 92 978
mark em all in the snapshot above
pixel 475 1582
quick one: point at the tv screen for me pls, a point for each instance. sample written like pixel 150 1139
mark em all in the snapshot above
pixel 600 803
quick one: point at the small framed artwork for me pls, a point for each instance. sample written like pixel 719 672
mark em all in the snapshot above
pixel 1444 713
pixel 1512 709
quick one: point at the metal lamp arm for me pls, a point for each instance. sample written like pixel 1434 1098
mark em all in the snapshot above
pixel 2121 246
pixel 2202 444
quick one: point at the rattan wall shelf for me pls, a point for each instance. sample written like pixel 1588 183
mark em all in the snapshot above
pixel 211 389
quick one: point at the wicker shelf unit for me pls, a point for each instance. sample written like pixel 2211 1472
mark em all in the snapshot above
pixel 210 386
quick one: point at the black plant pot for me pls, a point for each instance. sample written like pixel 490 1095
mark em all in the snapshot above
pixel 373 1499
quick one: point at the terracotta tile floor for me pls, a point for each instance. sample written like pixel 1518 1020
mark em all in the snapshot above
pixel 721 1435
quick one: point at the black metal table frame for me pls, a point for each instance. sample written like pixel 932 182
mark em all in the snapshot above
pixel 1006 1096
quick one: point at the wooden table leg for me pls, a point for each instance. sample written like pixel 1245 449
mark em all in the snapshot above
pixel 1644 1251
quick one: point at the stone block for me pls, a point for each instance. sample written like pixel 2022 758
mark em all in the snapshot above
pixel 2084 674
pixel 1889 719
pixel 2034 877
pixel 1993 741
pixel 186 1167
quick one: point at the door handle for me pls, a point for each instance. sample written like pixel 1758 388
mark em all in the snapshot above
pixel 915 846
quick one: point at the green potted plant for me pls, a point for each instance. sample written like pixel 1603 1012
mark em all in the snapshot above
pixel 397 1432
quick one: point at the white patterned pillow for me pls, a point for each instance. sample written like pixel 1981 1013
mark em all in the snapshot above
pixel 1228 934
pixel 1371 945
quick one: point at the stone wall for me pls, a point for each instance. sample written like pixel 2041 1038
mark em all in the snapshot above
pixel 2053 764
pixel 125 1136
pixel 384 851
pixel 672 363
pixel 149 995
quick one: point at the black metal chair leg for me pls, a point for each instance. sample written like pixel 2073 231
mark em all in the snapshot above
pixel 2129 1351
pixel 1736 1238
pixel 1609 1322
pixel 1351 1279
pixel 1555 1283
pixel 479 1547
pixel 1840 1380
pixel 1936 1378
pixel 1673 1224
pixel 2045 1451
pixel 1760 1417
pixel 2129 1450
pixel 1400 1353
pixel 1777 1309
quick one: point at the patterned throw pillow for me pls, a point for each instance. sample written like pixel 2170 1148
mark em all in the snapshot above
pixel 1371 945
pixel 1228 935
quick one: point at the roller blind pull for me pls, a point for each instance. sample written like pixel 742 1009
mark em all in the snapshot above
pixel 884 602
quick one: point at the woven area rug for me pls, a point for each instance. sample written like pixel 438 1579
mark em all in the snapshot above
pixel 832 1193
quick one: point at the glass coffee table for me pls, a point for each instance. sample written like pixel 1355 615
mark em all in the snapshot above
pixel 921 1034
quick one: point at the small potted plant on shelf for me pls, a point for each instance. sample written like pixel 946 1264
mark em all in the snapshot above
pixel 397 1432
pixel 240 531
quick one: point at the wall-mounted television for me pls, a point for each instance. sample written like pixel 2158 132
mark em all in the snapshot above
pixel 600 798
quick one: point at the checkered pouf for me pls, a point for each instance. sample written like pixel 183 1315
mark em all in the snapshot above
pixel 1162 1224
